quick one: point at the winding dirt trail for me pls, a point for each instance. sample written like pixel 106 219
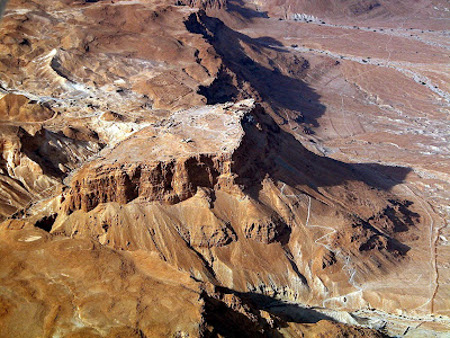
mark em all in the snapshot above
pixel 347 267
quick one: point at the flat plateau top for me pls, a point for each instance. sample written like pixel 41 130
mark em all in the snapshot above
pixel 204 130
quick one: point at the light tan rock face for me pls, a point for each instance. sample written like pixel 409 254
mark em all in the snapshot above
pixel 225 192
pixel 222 168
pixel 192 149
pixel 33 158
pixel 122 294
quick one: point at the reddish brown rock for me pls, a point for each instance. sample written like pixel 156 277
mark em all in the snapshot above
pixel 130 202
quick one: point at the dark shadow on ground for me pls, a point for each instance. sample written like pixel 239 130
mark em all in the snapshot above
pixel 275 152
pixel 227 321
pixel 260 66
pixel 286 311
pixel 261 69
pixel 267 151
pixel 238 6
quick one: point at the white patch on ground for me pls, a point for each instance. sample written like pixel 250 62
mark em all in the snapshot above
pixel 30 238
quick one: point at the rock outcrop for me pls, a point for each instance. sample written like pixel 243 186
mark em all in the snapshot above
pixel 204 4
pixel 192 150
pixel 222 168
pixel 212 182
pixel 18 108
pixel 121 294
pixel 33 159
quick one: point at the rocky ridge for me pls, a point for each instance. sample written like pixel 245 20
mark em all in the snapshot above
pixel 236 205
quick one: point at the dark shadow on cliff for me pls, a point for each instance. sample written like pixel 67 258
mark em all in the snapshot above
pixel 286 311
pixel 256 67
pixel 238 6
pixel 269 151
pixel 275 152
pixel 42 148
pixel 226 320
pixel 261 69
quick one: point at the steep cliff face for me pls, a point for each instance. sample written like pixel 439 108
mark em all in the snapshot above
pixel 204 168
pixel 33 159
pixel 205 4
pixel 192 150
pixel 219 187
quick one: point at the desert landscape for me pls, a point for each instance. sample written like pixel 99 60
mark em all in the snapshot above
pixel 224 168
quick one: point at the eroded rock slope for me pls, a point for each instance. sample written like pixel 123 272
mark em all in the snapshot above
pixel 166 169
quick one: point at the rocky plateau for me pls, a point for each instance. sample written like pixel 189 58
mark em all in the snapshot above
pixel 224 168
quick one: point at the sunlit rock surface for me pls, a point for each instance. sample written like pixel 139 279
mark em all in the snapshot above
pixel 231 168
